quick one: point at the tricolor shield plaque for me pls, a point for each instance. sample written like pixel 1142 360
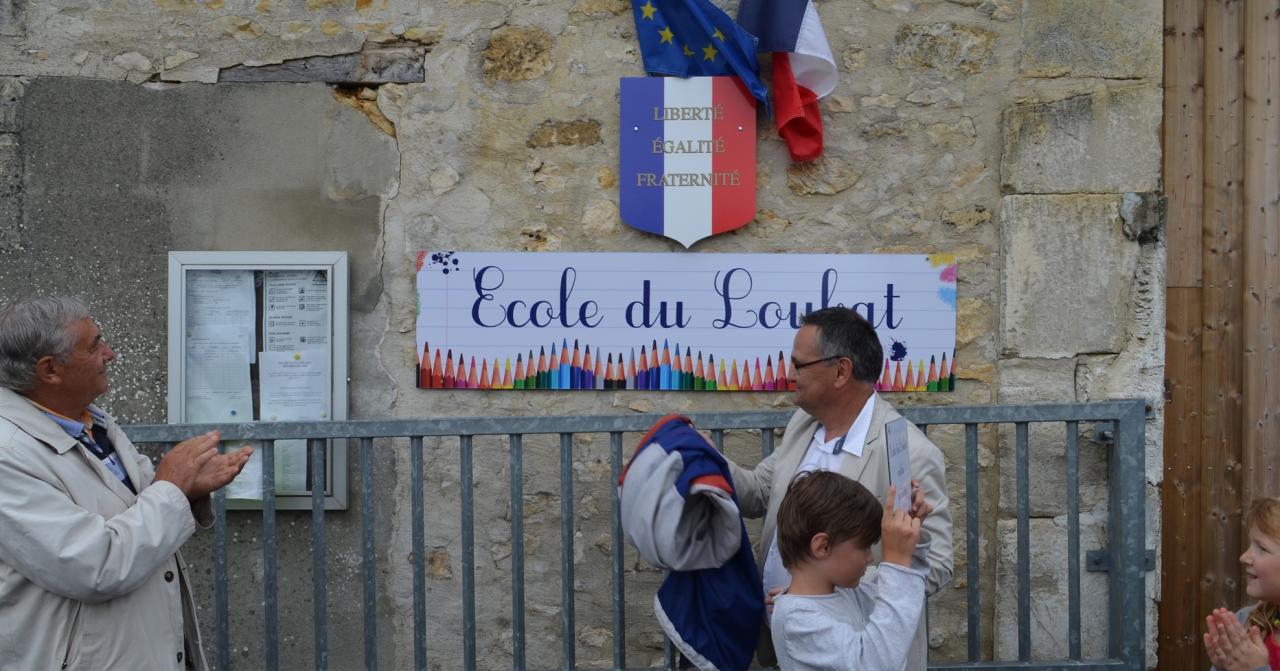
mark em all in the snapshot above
pixel 687 150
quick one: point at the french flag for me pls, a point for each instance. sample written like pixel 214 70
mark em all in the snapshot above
pixel 688 156
pixel 803 68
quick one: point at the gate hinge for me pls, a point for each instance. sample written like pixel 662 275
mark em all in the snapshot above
pixel 1099 561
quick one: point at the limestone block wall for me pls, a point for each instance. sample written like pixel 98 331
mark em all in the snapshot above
pixel 1021 136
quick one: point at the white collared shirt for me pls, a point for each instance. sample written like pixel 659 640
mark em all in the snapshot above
pixel 822 455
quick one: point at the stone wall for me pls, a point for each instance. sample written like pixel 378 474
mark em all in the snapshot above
pixel 1021 136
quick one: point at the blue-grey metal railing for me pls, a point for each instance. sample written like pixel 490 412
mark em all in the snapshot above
pixel 1126 523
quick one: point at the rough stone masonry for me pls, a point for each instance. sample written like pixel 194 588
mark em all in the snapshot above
pixel 1022 136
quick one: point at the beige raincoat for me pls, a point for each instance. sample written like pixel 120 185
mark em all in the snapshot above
pixel 90 575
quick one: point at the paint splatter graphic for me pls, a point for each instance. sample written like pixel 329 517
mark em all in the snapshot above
pixel 445 261
pixel 897 351
pixel 948 295
pixel 936 260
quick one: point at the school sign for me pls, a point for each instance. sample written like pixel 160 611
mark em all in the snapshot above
pixel 670 322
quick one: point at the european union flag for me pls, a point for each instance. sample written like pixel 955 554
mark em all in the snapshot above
pixel 693 38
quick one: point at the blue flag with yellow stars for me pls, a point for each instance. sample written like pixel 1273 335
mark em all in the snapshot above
pixel 694 38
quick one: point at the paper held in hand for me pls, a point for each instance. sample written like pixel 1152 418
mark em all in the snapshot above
pixel 895 433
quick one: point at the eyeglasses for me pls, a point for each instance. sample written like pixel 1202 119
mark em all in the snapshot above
pixel 798 366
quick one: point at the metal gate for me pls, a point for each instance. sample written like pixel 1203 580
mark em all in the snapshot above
pixel 1124 558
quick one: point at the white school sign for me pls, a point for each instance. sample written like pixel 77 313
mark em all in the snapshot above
pixel 512 320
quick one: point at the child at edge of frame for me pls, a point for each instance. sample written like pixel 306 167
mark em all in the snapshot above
pixel 830 618
pixel 1249 639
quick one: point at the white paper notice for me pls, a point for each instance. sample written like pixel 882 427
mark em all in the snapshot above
pixel 294 385
pixel 895 433
pixel 291 467
pixel 218 391
pixel 217 377
pixel 295 310
pixel 248 485
pixel 220 313
pixel 294 388
pixel 221 300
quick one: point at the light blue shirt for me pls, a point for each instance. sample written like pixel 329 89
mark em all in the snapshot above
pixel 84 435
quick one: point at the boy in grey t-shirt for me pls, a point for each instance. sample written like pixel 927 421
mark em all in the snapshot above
pixel 829 619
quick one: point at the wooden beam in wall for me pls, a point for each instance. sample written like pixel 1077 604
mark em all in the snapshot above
pixel 376 64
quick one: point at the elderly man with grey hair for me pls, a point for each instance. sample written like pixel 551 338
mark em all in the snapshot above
pixel 90 574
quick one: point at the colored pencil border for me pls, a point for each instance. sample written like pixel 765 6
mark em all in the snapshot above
pixel 561 367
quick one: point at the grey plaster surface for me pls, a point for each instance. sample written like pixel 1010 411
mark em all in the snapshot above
pixel 117 175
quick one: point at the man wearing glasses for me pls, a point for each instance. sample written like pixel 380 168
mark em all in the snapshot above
pixel 840 426
pixel 90 574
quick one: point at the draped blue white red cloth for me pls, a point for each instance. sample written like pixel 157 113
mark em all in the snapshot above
pixel 680 511
pixel 803 68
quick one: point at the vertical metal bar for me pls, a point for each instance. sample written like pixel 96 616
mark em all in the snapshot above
pixel 517 553
pixel 766 442
pixel 271 633
pixel 619 602
pixel 220 604
pixel 668 655
pixel 419 561
pixel 973 556
pixel 1127 538
pixel 1073 540
pixel 468 554
pixel 717 437
pixel 367 555
pixel 924 429
pixel 318 589
pixel 566 551
pixel 1023 455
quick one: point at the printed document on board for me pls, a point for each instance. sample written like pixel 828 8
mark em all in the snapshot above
pixel 295 387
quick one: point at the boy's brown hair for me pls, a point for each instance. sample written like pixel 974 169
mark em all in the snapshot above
pixel 825 502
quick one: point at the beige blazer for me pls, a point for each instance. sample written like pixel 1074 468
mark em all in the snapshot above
pixel 90 575
pixel 761 489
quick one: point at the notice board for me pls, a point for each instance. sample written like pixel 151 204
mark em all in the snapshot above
pixel 262 337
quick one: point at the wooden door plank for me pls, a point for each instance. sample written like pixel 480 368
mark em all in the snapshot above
pixel 1261 425
pixel 1180 616
pixel 1183 154
pixel 1223 298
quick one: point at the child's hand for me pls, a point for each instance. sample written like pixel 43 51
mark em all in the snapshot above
pixel 768 598
pixel 899 533
pixel 1230 647
pixel 920 508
